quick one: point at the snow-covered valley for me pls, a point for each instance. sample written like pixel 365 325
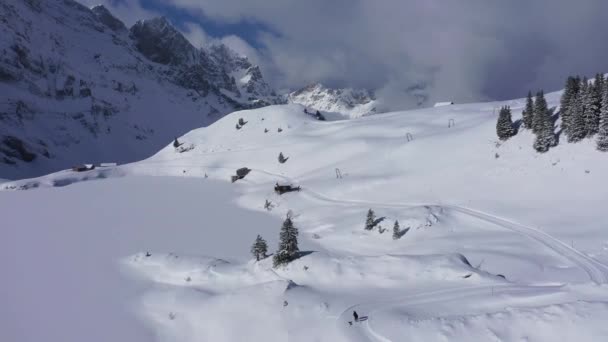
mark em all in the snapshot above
pixel 498 242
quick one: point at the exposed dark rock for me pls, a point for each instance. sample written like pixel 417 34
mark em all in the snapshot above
pixel 108 19
pixel 15 148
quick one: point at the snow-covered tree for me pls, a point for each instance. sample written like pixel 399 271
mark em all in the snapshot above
pixel 600 84
pixel 572 85
pixel 288 244
pixel 371 220
pixel 592 102
pixel 543 125
pixel 540 111
pixel 259 249
pixel 602 136
pixel 528 113
pixel 504 125
pixel 576 127
pixel 396 231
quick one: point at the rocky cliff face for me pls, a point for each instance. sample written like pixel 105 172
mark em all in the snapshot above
pixel 76 86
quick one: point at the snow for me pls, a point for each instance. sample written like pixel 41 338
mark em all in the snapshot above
pixel 443 104
pixel 61 253
pixel 502 243
pixel 335 103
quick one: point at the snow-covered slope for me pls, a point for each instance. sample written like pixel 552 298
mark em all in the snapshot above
pixel 348 103
pixel 77 86
pixel 498 242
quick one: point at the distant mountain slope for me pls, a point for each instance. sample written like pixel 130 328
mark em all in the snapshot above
pixel 351 103
pixel 78 86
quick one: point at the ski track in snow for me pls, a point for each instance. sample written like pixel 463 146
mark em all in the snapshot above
pixel 597 272
pixel 431 297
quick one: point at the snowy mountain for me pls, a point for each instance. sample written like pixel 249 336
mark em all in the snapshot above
pixel 78 86
pixel 495 241
pixel 349 103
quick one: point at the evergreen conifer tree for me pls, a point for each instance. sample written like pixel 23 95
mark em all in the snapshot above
pixel 592 101
pixel 576 127
pixel 176 143
pixel 566 101
pixel 259 248
pixel 602 136
pixel 543 125
pixel 541 110
pixel 528 113
pixel 600 83
pixel 288 244
pixel 396 231
pixel 370 221
pixel 504 125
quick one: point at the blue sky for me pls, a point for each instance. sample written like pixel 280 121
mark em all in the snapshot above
pixel 245 29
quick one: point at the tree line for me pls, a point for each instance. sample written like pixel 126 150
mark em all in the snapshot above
pixel 583 112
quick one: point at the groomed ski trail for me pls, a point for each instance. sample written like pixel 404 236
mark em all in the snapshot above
pixel 597 272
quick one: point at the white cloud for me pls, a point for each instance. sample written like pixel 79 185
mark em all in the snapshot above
pixel 196 35
pixel 129 11
pixel 460 50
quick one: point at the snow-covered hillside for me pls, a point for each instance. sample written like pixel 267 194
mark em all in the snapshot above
pixel 498 242
pixel 343 103
pixel 78 86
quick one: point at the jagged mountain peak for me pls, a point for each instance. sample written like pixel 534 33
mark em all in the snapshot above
pixel 162 43
pixel 79 87
pixel 107 18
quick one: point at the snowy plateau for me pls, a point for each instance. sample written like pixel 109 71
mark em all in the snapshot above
pixel 496 243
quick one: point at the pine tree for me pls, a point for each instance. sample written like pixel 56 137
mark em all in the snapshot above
pixel 592 100
pixel 371 220
pixel 567 97
pixel 543 125
pixel 176 143
pixel 600 84
pixel 504 125
pixel 528 113
pixel 540 111
pixel 396 231
pixel 259 248
pixel 288 244
pixel 602 136
pixel 576 126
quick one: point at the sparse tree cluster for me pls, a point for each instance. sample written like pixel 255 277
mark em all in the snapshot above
pixel 372 222
pixel 288 245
